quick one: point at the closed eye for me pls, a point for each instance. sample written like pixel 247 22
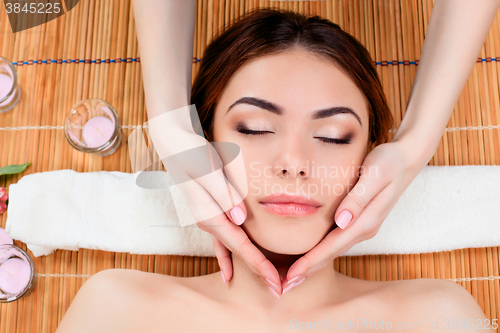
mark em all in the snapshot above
pixel 246 131
pixel 334 141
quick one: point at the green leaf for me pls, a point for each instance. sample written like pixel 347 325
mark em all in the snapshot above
pixel 13 169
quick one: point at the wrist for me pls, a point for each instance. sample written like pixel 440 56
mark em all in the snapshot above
pixel 172 132
pixel 416 151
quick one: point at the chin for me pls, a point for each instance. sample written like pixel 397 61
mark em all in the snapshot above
pixel 287 240
pixel 289 249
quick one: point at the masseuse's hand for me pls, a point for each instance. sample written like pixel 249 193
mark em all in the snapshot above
pixel 369 202
pixel 163 26
pixel 215 195
pixel 212 180
pixel 456 27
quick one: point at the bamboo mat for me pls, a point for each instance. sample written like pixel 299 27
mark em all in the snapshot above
pixel 92 51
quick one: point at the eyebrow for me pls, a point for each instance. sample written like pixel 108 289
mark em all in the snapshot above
pixel 319 114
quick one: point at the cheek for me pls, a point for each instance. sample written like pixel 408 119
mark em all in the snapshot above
pixel 341 166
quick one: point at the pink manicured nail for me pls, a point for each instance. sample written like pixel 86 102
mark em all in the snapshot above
pixel 293 285
pixel 302 280
pixel 223 277
pixel 238 215
pixel 290 286
pixel 271 282
pixel 344 219
pixel 294 279
pixel 274 292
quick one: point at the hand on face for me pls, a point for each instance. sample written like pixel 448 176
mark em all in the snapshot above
pixel 369 202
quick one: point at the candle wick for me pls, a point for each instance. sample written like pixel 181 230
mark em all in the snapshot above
pixel 98 130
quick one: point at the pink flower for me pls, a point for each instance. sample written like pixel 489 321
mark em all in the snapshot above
pixel 3 194
pixel 3 197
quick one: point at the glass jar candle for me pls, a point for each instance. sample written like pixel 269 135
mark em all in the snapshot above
pixel 92 127
pixel 17 273
pixel 10 92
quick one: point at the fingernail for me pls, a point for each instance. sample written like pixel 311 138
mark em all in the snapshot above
pixel 237 215
pixel 302 280
pixel 271 282
pixel 293 285
pixel 290 286
pixel 294 279
pixel 223 277
pixel 344 219
pixel 274 292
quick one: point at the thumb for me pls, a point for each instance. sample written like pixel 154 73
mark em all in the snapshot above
pixel 357 199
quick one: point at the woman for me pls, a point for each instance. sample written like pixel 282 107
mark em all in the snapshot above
pixel 456 32
pixel 298 96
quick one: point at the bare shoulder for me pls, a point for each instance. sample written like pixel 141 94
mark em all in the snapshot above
pixel 451 299
pixel 443 302
pixel 112 300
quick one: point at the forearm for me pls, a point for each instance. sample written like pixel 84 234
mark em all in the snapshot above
pixel 165 32
pixel 456 33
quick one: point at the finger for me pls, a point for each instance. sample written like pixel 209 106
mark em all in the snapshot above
pixel 318 255
pixel 224 258
pixel 338 241
pixel 237 241
pixel 368 186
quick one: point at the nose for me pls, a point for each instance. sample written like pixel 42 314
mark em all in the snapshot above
pixel 285 173
pixel 292 160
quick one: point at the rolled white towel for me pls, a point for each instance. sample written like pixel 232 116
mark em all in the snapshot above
pixel 65 209
pixel 444 208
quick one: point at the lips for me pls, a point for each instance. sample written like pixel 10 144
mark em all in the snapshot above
pixel 290 205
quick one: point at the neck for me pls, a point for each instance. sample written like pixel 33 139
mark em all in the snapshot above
pixel 247 288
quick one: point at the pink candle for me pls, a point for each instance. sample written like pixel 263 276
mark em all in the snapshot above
pixel 15 275
pixel 97 131
pixel 6 84
pixel 92 127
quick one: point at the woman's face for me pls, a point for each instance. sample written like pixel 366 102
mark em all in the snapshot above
pixel 287 145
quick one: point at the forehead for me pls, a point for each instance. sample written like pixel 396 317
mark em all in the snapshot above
pixel 295 79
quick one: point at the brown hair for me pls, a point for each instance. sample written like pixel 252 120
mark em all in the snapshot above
pixel 267 31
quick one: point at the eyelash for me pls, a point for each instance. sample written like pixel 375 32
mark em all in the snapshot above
pixel 245 131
